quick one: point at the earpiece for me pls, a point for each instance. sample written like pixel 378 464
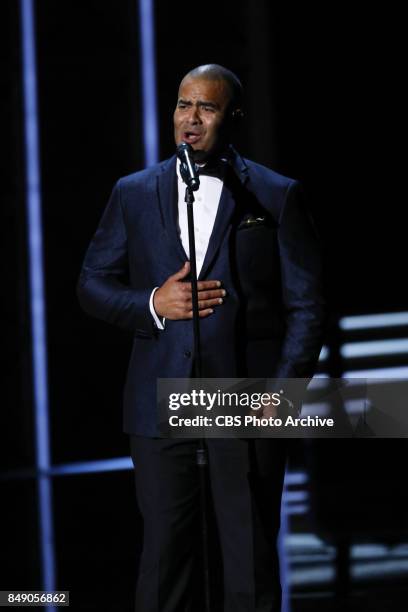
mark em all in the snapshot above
pixel 237 114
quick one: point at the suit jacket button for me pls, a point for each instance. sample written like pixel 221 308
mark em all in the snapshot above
pixel 187 353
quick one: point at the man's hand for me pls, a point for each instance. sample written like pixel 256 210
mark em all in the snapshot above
pixel 173 300
pixel 268 409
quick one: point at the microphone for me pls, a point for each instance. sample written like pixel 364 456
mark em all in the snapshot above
pixel 188 170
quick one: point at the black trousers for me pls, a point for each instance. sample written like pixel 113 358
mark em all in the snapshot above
pixel 246 479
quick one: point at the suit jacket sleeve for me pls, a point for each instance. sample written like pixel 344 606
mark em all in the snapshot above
pixel 302 288
pixel 103 288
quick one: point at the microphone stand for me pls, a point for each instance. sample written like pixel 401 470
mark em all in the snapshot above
pixel 201 451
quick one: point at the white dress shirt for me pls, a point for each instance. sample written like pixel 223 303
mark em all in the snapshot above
pixel 207 199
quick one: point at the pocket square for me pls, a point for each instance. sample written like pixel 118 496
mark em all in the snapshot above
pixel 252 221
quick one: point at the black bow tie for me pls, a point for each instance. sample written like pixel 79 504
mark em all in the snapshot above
pixel 213 168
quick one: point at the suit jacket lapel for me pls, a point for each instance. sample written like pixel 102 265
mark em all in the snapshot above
pixel 225 211
pixel 167 197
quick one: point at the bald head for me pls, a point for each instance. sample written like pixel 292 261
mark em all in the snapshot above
pixel 215 72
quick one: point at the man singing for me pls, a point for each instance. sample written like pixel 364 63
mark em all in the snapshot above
pixel 261 315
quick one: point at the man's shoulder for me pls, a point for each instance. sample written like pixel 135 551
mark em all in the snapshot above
pixel 269 187
pixel 144 176
pixel 271 178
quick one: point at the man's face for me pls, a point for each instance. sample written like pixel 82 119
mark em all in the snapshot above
pixel 200 118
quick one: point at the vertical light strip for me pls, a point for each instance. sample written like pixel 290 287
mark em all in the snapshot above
pixel 283 554
pixel 148 82
pixel 37 301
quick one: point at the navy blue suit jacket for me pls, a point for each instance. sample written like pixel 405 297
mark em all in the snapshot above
pixel 264 250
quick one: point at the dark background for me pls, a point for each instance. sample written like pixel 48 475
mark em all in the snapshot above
pixel 321 91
